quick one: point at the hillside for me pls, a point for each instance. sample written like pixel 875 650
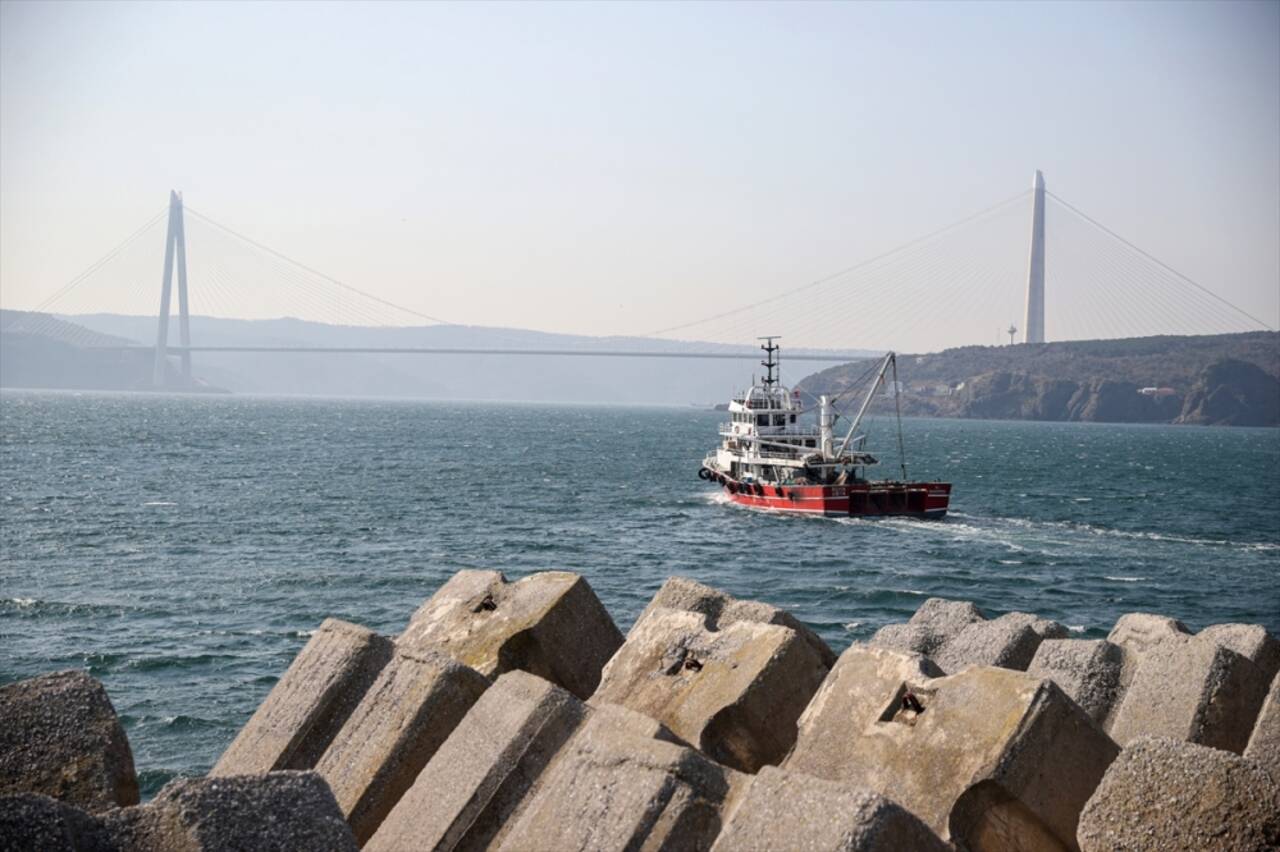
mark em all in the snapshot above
pixel 1227 379
pixel 37 361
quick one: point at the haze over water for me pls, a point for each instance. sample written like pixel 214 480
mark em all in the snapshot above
pixel 183 548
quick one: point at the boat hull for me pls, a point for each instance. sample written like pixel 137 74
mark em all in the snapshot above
pixel 864 499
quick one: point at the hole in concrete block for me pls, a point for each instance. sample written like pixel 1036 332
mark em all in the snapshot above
pixel 908 704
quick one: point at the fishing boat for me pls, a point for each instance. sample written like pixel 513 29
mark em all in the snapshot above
pixel 769 458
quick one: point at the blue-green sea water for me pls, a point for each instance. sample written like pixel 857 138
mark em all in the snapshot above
pixel 182 548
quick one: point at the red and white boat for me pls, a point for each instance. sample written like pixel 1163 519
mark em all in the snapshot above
pixel 769 459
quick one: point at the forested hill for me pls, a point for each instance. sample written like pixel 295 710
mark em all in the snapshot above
pixel 1225 379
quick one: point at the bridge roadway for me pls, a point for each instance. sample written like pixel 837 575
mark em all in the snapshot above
pixel 441 350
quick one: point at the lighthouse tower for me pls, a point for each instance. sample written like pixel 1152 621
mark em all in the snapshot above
pixel 1033 328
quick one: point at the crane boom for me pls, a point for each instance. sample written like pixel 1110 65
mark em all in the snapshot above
pixel 866 402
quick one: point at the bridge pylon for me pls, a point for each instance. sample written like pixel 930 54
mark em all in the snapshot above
pixel 175 255
pixel 1033 328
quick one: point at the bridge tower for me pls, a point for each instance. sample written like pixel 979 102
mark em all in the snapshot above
pixel 175 254
pixel 1033 328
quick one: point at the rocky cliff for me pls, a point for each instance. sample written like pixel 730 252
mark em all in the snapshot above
pixel 1230 380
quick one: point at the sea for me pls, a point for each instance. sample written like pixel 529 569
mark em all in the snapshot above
pixel 183 548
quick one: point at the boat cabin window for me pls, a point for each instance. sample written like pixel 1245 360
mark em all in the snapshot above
pixel 779 420
pixel 793 418
pixel 810 443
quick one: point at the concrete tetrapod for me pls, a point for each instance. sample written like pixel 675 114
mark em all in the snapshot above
pixel 411 709
pixel 59 735
pixel 1264 742
pixel 988 758
pixel 33 821
pixel 1251 641
pixel 312 701
pixel 1193 689
pixel 474 782
pixel 550 624
pixel 788 810
pixel 1162 795
pixel 734 693
pixel 614 786
pixel 956 635
pixel 1091 671
pixel 1140 631
pixel 722 609
pixel 273 812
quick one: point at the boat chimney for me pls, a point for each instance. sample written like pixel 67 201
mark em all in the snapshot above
pixel 826 423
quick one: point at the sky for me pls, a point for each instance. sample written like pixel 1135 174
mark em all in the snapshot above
pixel 619 168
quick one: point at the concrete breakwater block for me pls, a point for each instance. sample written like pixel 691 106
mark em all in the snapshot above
pixel 789 810
pixel 550 624
pixel 1251 641
pixel 59 736
pixel 1264 743
pixel 309 705
pixel 1193 689
pixel 475 780
pixel 276 812
pixel 1166 796
pixel 734 693
pixel 614 785
pixel 1091 671
pixel 1140 631
pixel 956 635
pixel 722 609
pixel 412 707
pixel 988 758
pixel 33 821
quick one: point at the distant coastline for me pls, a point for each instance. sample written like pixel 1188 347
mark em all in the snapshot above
pixel 1208 380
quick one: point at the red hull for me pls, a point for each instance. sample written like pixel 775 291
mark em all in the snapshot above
pixel 864 499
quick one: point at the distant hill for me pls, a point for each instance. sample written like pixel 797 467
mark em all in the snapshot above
pixel 41 351
pixel 1225 379
pixel 489 377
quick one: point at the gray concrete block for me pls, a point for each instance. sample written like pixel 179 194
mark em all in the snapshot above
pixel 613 787
pixel 59 735
pixel 413 706
pixel 32 822
pixel 734 693
pixel 956 635
pixel 1139 631
pixel 473 783
pixel 1264 743
pixel 274 812
pixel 1088 670
pixel 1009 644
pixel 309 705
pixel 550 624
pixel 944 618
pixel 986 753
pixel 789 810
pixel 721 610
pixel 907 638
pixel 1191 689
pixel 1251 641
pixel 1161 795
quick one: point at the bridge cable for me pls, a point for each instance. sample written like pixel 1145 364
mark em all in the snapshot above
pixel 1156 260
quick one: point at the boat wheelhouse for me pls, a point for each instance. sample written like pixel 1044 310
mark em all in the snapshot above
pixel 770 458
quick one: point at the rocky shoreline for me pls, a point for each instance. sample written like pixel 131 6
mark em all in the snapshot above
pixel 516 716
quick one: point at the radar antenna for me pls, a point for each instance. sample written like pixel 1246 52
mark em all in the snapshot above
pixel 770 363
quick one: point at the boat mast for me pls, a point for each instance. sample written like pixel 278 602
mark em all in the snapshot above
pixel 769 363
pixel 871 392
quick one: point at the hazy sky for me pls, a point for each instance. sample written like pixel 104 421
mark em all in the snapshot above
pixel 619 168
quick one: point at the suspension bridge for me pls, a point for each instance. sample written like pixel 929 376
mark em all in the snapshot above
pixel 981 271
